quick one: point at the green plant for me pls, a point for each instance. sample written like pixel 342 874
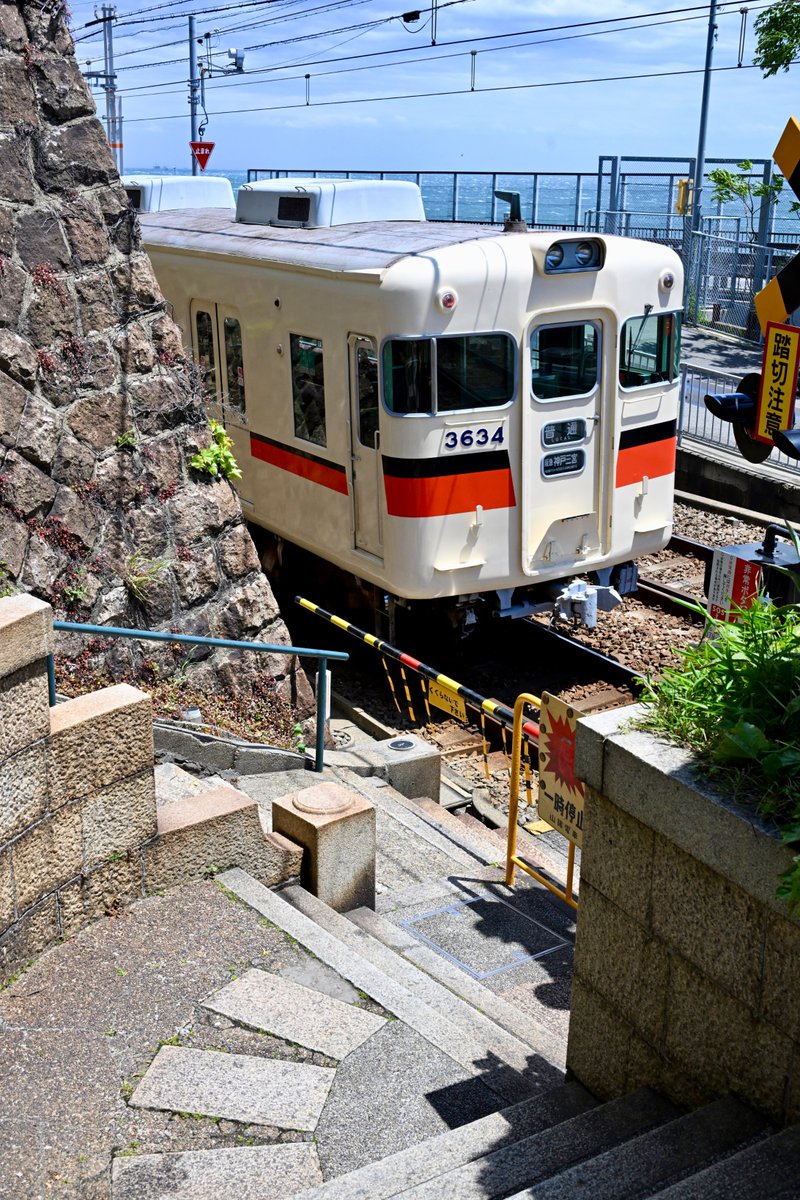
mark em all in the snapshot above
pixel 217 459
pixel 141 574
pixel 749 192
pixel 778 37
pixel 7 587
pixel 126 440
pixel 297 737
pixel 735 701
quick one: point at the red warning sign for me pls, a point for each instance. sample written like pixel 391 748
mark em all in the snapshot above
pixel 202 152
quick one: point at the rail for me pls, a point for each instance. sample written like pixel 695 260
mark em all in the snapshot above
pixel 150 635
pixel 449 691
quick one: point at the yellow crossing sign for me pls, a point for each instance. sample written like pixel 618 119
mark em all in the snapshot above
pixel 781 296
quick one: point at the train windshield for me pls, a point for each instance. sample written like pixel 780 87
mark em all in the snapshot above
pixel 650 349
pixel 435 375
pixel 564 360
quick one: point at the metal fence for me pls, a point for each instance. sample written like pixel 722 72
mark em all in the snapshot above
pixel 696 423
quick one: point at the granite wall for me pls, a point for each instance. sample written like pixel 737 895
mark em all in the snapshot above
pixel 100 408
pixel 686 965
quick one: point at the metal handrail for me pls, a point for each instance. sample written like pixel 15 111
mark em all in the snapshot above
pixel 224 643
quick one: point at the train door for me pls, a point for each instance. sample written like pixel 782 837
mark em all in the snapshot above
pixel 364 445
pixel 217 335
pixel 562 486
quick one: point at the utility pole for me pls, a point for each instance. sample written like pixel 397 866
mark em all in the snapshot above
pixel 107 79
pixel 700 165
pixel 194 86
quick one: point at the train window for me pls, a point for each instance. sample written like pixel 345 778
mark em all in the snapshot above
pixel 367 367
pixel 449 374
pixel 407 376
pixel 204 331
pixel 650 349
pixel 308 389
pixel 564 360
pixel 234 362
pixel 476 371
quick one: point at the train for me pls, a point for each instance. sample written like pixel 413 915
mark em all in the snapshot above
pixel 447 413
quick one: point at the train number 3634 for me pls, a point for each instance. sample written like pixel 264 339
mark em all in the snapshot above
pixel 466 438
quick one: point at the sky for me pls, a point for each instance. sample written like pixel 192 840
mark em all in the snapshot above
pixel 381 97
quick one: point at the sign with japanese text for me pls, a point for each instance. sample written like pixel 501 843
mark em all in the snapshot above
pixel 202 152
pixel 561 795
pixel 447 700
pixel 778 381
pixel 733 585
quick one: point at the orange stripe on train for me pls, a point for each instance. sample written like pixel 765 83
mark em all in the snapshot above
pixel 652 459
pixel 306 466
pixel 441 495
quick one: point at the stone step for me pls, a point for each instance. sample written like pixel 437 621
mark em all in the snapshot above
pixel 668 1153
pixel 766 1171
pixel 525 1028
pixel 492 1038
pixel 246 1172
pixel 295 1013
pixel 239 1087
pixel 416 1165
pixel 453 1038
pixel 537 1158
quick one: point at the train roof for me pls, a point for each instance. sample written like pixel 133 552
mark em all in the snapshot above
pixel 366 246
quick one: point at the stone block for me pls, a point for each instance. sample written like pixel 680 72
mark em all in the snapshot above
pixel 217 829
pixel 23 789
pixel 118 818
pixel 33 933
pixel 647 1067
pixel 708 920
pixel 617 855
pixel 6 892
pixel 46 856
pixel 110 887
pixel 719 1043
pixel 26 632
pixel 780 1003
pixel 24 710
pixel 98 739
pixel 599 1043
pixel 336 828
pixel 616 957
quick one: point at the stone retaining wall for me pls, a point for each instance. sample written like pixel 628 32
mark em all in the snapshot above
pixel 80 832
pixel 686 966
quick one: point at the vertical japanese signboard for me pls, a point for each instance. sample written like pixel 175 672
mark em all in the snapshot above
pixel 561 795
pixel 778 380
pixel 733 585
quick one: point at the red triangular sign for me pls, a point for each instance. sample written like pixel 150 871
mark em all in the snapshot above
pixel 202 152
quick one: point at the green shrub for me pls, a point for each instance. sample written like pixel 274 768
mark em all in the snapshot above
pixel 217 459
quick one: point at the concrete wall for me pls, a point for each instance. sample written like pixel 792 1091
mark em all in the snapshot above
pixel 686 967
pixel 80 829
pixel 728 479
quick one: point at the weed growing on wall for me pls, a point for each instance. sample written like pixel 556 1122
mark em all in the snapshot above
pixel 735 701
pixel 217 459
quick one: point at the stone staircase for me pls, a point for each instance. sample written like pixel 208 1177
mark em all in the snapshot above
pixel 443 1077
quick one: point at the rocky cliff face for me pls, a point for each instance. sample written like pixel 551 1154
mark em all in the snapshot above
pixel 100 409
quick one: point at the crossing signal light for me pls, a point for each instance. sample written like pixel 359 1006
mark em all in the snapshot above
pixel 732 407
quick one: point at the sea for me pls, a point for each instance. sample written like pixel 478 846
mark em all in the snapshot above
pixel 646 199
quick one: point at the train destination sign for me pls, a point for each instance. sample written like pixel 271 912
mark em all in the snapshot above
pixel 778 381
pixel 202 152
pixel 567 463
pixel 557 433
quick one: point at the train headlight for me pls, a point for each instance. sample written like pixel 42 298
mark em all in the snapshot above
pixel 586 255
pixel 446 299
pixel 554 257
pixel 667 281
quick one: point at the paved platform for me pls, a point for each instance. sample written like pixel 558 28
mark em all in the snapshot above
pixel 716 352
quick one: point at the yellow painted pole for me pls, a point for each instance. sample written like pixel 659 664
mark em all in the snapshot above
pixel 513 804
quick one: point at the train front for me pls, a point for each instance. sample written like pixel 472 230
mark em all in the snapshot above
pixel 528 428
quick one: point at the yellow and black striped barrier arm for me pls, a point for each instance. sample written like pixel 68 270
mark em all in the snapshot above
pixel 500 713
pixel 781 296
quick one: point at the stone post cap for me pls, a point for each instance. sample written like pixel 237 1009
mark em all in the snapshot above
pixel 26 632
pixel 325 802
